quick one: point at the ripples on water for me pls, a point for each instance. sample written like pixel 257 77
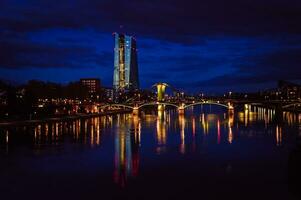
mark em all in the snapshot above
pixel 208 153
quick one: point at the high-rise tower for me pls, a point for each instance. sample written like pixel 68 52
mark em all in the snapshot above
pixel 125 63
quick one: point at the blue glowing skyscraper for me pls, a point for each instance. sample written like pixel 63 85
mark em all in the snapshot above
pixel 125 63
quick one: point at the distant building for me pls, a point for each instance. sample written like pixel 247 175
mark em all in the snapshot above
pixel 93 84
pixel 109 93
pixel 285 91
pixel 125 63
pixel 289 90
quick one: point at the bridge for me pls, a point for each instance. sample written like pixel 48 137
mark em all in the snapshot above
pixel 181 105
pixel 292 105
pixel 161 106
pixel 276 104
pixel 161 103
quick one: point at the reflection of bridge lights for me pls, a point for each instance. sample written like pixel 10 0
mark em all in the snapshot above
pixel 35 134
pixel 52 132
pixel 230 134
pixel 161 129
pixel 218 132
pixel 97 136
pixel 241 117
pixel 182 133
pixel 78 128
pixel 278 135
pixel 6 137
pixel 231 119
pixel 246 117
pixel 193 126
pixel 92 134
pixel 230 124
pixel 205 124
pixel 46 130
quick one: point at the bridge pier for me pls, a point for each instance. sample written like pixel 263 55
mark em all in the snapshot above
pixel 279 113
pixel 135 111
pixel 181 109
pixel 161 107
pixel 247 107
pixel 230 106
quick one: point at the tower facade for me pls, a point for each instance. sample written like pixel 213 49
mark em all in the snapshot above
pixel 125 63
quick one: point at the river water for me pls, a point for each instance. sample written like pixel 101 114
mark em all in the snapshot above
pixel 209 153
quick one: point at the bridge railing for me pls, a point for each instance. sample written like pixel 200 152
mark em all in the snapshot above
pixel 178 106
pixel 291 105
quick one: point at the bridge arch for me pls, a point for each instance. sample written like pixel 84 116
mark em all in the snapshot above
pixel 292 104
pixel 206 103
pixel 155 103
pixel 116 105
pixel 256 104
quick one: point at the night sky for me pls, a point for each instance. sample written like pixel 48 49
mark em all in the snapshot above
pixel 212 46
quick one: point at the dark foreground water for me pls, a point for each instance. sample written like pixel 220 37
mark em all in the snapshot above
pixel 207 154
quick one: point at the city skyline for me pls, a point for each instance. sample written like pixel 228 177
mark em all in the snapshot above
pixel 194 46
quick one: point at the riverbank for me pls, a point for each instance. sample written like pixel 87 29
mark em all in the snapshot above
pixel 61 118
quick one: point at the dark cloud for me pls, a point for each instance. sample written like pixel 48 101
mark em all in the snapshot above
pixel 176 20
pixel 191 62
pixel 24 54
pixel 154 76
pixel 271 67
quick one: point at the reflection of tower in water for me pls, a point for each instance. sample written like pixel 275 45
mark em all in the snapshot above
pixel 126 159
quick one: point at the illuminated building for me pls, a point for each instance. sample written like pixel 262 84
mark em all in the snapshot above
pixel 93 84
pixel 125 63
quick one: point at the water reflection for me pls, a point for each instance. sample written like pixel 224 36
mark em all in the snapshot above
pixel 161 129
pixel 205 124
pixel 230 124
pixel 278 135
pixel 126 159
pixel 53 133
pixel 218 131
pixel 182 133
pixel 193 134
pixel 157 132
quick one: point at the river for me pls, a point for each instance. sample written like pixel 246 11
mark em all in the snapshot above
pixel 208 153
